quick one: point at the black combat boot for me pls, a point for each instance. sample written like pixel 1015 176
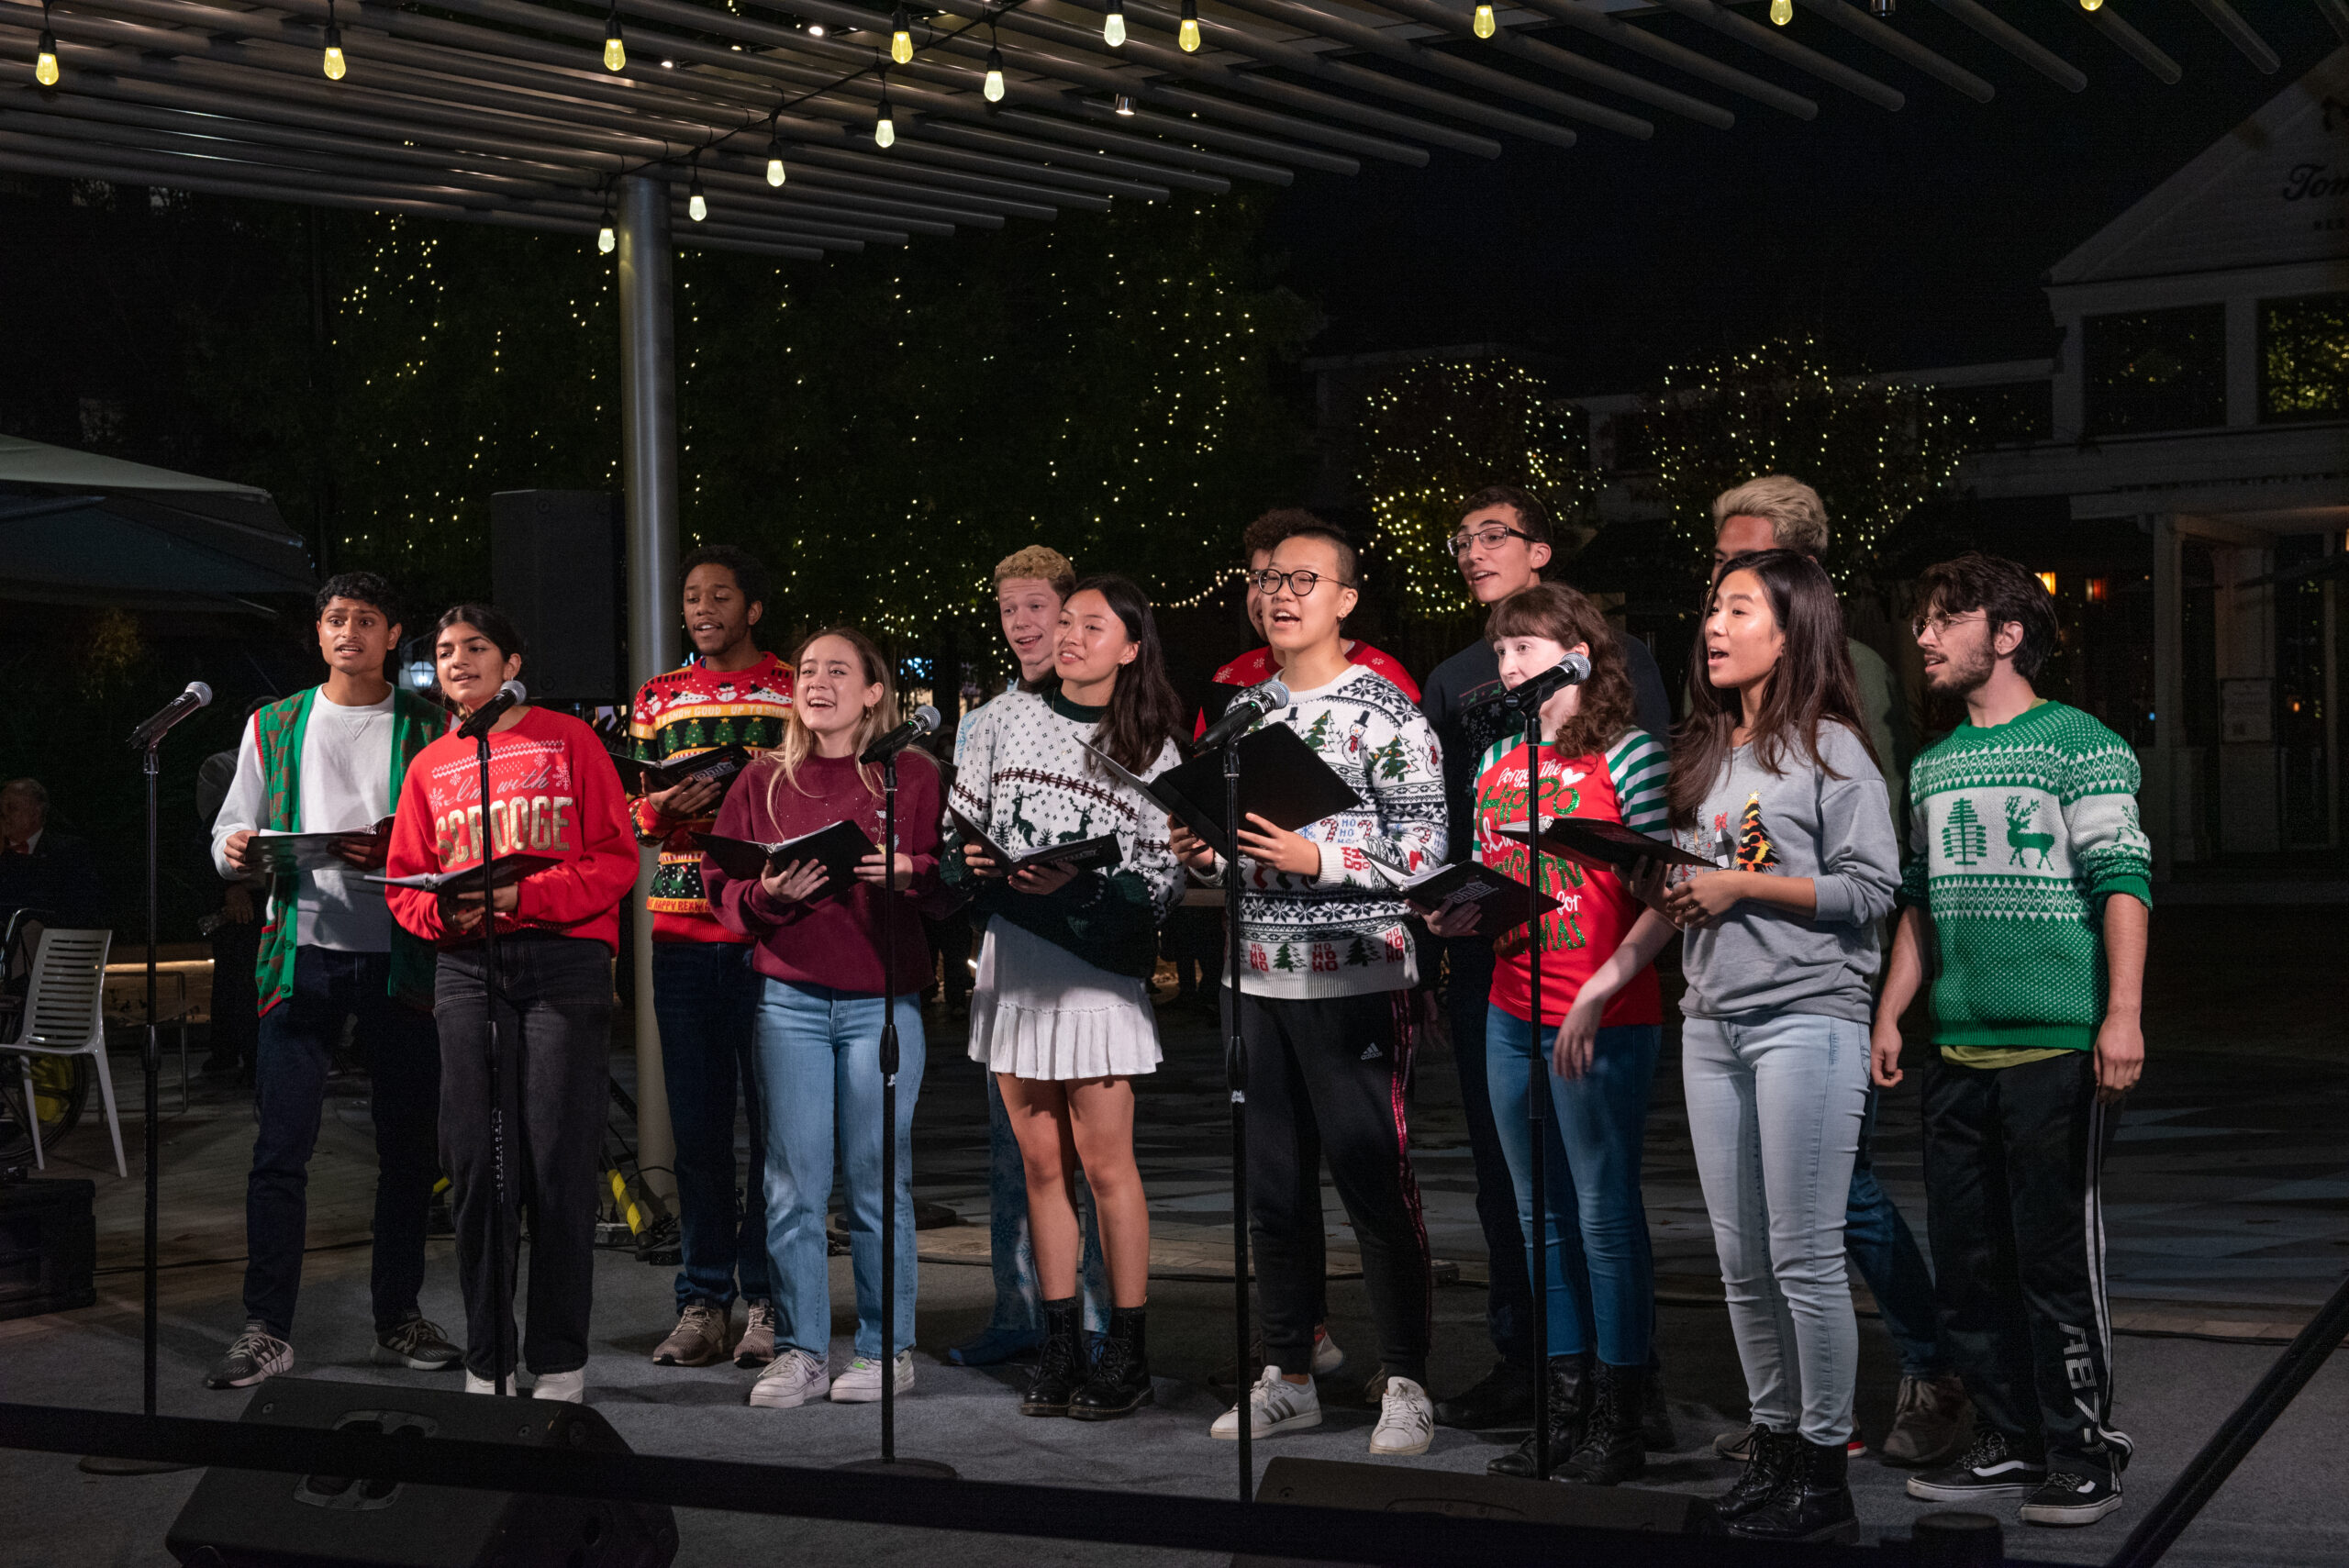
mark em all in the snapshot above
pixel 1769 1456
pixel 1569 1411
pixel 1814 1503
pixel 1612 1449
pixel 1060 1369
pixel 1121 1380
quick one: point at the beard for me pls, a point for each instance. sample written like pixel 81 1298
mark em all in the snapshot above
pixel 1962 671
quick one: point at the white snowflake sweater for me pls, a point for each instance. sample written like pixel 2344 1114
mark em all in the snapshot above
pixel 1341 932
pixel 1021 771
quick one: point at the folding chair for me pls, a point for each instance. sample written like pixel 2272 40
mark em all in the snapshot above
pixel 65 1015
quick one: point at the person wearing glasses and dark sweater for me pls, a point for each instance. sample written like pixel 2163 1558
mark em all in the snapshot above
pixel 1504 544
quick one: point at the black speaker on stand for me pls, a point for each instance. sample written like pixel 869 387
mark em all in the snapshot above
pixel 555 566
pixel 253 1519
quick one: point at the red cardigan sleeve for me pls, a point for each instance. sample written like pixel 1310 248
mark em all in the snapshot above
pixel 604 870
pixel 741 906
pixel 414 847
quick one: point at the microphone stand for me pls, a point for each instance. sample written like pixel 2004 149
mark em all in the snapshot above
pixel 492 994
pixel 1235 1067
pixel 1537 1097
pixel 889 1463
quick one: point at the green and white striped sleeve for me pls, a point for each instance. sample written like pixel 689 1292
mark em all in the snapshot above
pixel 1639 766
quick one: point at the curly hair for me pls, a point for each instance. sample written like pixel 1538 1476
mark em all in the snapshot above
pixel 1040 562
pixel 1567 618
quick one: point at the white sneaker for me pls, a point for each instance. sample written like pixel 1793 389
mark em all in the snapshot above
pixel 1406 1420
pixel 482 1385
pixel 571 1388
pixel 860 1384
pixel 1277 1406
pixel 1327 1357
pixel 790 1380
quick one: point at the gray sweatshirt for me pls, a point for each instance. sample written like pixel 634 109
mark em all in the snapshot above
pixel 1837 831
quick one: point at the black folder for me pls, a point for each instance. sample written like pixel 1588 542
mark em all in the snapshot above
pixel 840 848
pixel 721 764
pixel 1445 887
pixel 1605 846
pixel 1097 853
pixel 1281 780
pixel 503 870
pixel 288 853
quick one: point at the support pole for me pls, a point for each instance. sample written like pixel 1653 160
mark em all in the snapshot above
pixel 649 469
pixel 2169 693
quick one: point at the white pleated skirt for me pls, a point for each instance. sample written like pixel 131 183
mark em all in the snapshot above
pixel 1038 1011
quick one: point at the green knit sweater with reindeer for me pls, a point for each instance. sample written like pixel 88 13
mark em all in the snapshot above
pixel 2016 835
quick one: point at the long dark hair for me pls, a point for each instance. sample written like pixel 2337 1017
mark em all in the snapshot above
pixel 1813 685
pixel 1555 611
pixel 487 619
pixel 1144 712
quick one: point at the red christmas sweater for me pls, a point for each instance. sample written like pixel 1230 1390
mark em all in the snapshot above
pixel 679 715
pixel 1255 669
pixel 553 791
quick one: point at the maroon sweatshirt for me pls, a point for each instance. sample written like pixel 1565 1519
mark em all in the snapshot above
pixel 833 943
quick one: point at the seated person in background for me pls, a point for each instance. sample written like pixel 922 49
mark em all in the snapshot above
pixel 42 870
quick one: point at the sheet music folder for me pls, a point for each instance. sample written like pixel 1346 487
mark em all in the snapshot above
pixel 287 852
pixel 503 870
pixel 1281 780
pixel 838 848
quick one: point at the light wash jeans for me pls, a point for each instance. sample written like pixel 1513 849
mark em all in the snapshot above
pixel 1776 1103
pixel 1601 1271
pixel 819 1074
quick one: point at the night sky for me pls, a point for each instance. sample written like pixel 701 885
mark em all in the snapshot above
pixel 1906 239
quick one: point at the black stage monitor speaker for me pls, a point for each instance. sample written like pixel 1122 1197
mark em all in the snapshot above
pixel 555 566
pixel 1390 1488
pixel 49 1246
pixel 249 1518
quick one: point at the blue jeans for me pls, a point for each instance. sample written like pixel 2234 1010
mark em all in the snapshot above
pixel 1878 1242
pixel 704 994
pixel 1775 1106
pixel 1509 1298
pixel 1601 1274
pixel 1010 1250
pixel 820 1072
pixel 294 1053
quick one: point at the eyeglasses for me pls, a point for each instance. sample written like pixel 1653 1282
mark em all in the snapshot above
pixel 1939 622
pixel 1302 584
pixel 1488 537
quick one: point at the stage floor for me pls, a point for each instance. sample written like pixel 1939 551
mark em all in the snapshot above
pixel 2229 1208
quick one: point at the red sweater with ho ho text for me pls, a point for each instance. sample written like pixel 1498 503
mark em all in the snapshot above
pixel 553 791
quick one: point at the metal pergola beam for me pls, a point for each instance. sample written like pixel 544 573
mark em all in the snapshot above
pixel 2017 43
pixel 1602 24
pixel 2131 42
pixel 1902 48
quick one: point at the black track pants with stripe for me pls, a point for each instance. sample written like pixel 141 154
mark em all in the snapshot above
pixel 2013 1158
pixel 1325 1078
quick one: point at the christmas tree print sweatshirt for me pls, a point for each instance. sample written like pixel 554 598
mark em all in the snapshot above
pixel 1339 931
pixel 2018 834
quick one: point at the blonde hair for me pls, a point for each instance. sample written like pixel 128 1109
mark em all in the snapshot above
pixel 1797 517
pixel 799 741
pixel 1040 562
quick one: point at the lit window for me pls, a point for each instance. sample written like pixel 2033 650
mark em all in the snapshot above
pixel 2304 356
pixel 2156 369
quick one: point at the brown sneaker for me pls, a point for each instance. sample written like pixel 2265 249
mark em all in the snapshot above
pixel 756 1348
pixel 1930 1421
pixel 698 1340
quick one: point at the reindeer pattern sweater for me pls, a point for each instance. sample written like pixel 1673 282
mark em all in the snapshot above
pixel 2016 835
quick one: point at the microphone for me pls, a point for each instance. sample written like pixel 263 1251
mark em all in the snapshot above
pixel 1529 695
pixel 159 723
pixel 1245 709
pixel 490 712
pixel 923 722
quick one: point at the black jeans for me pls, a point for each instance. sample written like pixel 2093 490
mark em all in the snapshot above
pixel 706 995
pixel 554 1035
pixel 1508 1299
pixel 1327 1076
pixel 2013 1159
pixel 295 1053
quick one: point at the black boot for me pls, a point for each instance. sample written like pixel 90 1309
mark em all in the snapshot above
pixel 1569 1412
pixel 1502 1398
pixel 1773 1454
pixel 1059 1362
pixel 1612 1451
pixel 1121 1380
pixel 1814 1503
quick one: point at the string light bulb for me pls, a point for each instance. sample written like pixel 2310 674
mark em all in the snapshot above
pixel 1125 106
pixel 1484 25
pixel 1881 8
pixel 335 65
pixel 901 38
pixel 2091 5
pixel 1782 11
pixel 1113 26
pixel 1188 33
pixel 615 51
pixel 774 158
pixel 45 53
pixel 993 90
pixel 696 205
pixel 885 125
pixel 604 238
